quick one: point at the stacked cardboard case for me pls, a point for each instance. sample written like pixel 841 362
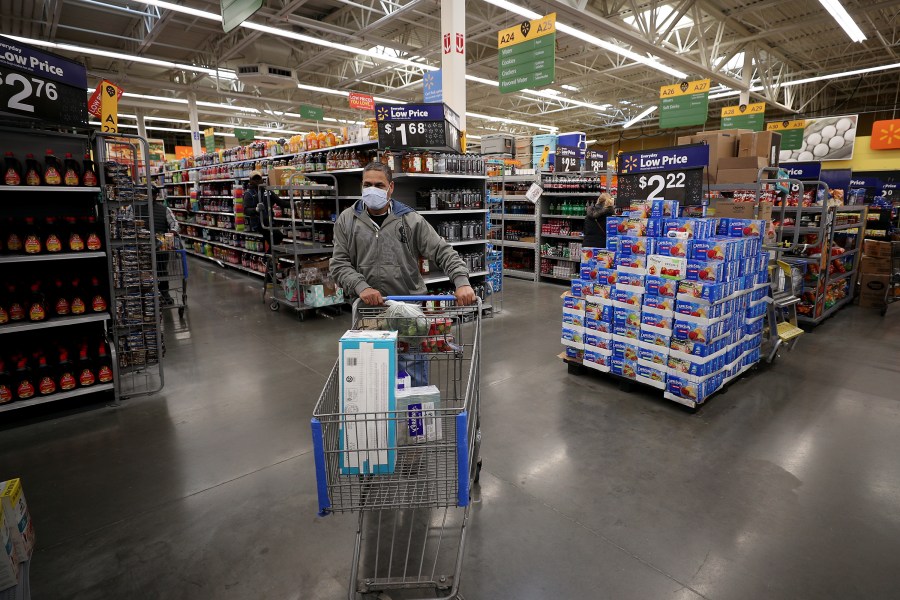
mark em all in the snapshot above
pixel 676 303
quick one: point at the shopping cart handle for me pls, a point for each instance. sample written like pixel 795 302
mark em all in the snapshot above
pixel 421 298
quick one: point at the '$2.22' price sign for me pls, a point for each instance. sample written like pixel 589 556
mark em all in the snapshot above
pixel 685 186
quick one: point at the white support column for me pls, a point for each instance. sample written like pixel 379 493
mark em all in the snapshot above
pixel 141 125
pixel 195 125
pixel 453 57
pixel 747 75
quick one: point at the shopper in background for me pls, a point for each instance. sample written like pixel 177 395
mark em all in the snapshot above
pixel 595 221
pixel 378 242
pixel 164 221
pixel 252 199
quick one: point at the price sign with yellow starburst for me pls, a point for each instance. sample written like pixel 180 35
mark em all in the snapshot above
pixel 886 135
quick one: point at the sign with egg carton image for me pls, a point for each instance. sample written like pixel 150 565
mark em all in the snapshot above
pixel 830 138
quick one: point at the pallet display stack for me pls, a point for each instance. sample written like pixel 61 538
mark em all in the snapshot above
pixel 675 303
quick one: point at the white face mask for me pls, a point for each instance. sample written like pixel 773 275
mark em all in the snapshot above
pixel 374 198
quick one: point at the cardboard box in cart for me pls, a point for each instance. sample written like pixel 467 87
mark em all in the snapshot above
pixel 368 380
pixel 18 519
pixel 9 563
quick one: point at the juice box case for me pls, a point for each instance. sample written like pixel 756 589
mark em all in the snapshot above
pixel 604 326
pixel 640 246
pixel 718 248
pixel 573 302
pixel 658 319
pixel 615 226
pixel 626 332
pixel 573 317
pixel 599 257
pixel 633 261
pixel 18 518
pixel 703 270
pixel 627 297
pixel 686 228
pixel 640 210
pixel 660 302
pixel 669 267
pixel 597 341
pixel 606 276
pixel 600 291
pixel 627 316
pixel 650 372
pixel 664 209
pixel 700 309
pixel 655 338
pixel 588 272
pixel 628 280
pixel 702 290
pixel 675 247
pixel 742 227
pixel 697 348
pixel 654 354
pixel 594 358
pixel 574 353
pixel 691 389
pixel 573 336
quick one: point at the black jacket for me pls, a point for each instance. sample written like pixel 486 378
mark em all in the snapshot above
pixel 595 226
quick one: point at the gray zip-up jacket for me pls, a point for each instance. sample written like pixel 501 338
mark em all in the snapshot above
pixel 387 258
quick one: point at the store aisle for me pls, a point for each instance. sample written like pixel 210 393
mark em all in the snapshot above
pixel 784 487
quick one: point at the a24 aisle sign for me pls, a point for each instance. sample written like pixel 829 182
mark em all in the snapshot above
pixel 527 54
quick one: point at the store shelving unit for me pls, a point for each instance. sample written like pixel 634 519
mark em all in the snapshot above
pixel 513 213
pixel 47 333
pixel 128 214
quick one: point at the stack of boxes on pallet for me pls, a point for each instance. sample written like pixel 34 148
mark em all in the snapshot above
pixel 737 155
pixel 875 272
pixel 676 303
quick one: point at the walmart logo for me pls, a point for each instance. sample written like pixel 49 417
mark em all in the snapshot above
pixel 630 164
pixel 382 113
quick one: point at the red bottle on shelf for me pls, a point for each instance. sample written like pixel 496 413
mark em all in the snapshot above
pixel 98 298
pixel 89 173
pixel 53 171
pixel 32 170
pixel 13 239
pixel 85 368
pixel 66 371
pixel 24 379
pixel 6 386
pixel 77 306
pixel 52 237
pixel 14 305
pixel 12 172
pixel 76 241
pixel 104 364
pixel 45 377
pixel 60 301
pixel 37 304
pixel 32 238
pixel 72 176
pixel 92 238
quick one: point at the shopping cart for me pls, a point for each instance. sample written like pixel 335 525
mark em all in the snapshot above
pixel 893 286
pixel 412 521
pixel 171 275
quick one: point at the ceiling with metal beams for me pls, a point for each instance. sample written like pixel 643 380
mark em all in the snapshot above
pixel 383 47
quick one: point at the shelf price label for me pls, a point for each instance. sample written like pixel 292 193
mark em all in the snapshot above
pixel 41 85
pixel 398 135
pixel 595 160
pixel 567 160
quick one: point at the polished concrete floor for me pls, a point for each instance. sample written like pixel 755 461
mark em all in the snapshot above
pixel 785 487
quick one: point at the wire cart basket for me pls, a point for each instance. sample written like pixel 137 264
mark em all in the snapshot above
pixel 172 275
pixel 411 532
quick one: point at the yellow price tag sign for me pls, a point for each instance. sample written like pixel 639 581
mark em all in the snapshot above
pixel 109 107
pixel 684 88
pixel 528 30
pixel 757 108
pixel 786 125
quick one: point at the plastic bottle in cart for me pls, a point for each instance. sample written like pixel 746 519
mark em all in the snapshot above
pixel 32 170
pixel 12 170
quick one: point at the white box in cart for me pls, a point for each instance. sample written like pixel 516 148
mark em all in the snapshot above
pixel 9 564
pixel 368 380
pixel 18 519
pixel 419 406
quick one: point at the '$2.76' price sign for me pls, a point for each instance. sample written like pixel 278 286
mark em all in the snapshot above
pixel 27 95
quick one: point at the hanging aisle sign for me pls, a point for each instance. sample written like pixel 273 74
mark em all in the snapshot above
pixel 744 116
pixel 209 139
pixel 668 173
pixel 791 133
pixel 361 101
pixel 313 113
pixel 684 104
pixel 433 86
pixel 40 85
pixel 109 107
pixel 527 54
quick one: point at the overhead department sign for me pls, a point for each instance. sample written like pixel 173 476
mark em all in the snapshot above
pixel 527 54
pixel 744 116
pixel 684 104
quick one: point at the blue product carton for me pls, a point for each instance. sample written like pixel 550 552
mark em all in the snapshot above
pixel 574 353
pixel 597 325
pixel 615 226
pixel 653 354
pixel 649 372
pixel 588 273
pixel 684 228
pixel 368 384
pixel 703 270
pixel 742 227
pixel 655 228
pixel 701 309
pixel 669 267
pixel 599 292
pixel 633 261
pixel 598 257
pixel 689 388
pixel 626 331
pixel 627 316
pixel 757 310
pixel 625 349
pixel 655 338
pixel 657 318
pixel 674 247
pixel 660 302
pixel 759 294
pixel 606 276
pixel 699 330
pixel 634 228
pixel 754 326
pixel 571 316
pixel 639 210
pixel 640 246
pixel 716 248
pixel 690 365
pixel 700 349
pixel 595 358
pixel 597 340
pixel 701 290
pixel 616 365
pixel 627 297
pixel 593 310
pixel 612 243
pixel 660 286
pixel 573 302
pixel 578 287
pixel 664 209
pixel 573 336
pixel 627 280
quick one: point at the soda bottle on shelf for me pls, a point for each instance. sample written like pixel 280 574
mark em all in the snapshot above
pixel 52 169
pixel 75 241
pixel 6 386
pixel 37 303
pixel 45 377
pixel 89 172
pixel 32 170
pixel 85 367
pixel 104 364
pixel 72 171
pixel 77 306
pixel 12 173
pixel 52 239
pixel 24 379
pixel 65 371
pixel 32 238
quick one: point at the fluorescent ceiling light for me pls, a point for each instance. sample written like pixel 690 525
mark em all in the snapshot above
pixel 220 73
pixel 483 80
pixel 530 14
pixel 759 88
pixel 571 88
pixel 511 121
pixel 639 117
pixel 182 9
pixel 844 19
